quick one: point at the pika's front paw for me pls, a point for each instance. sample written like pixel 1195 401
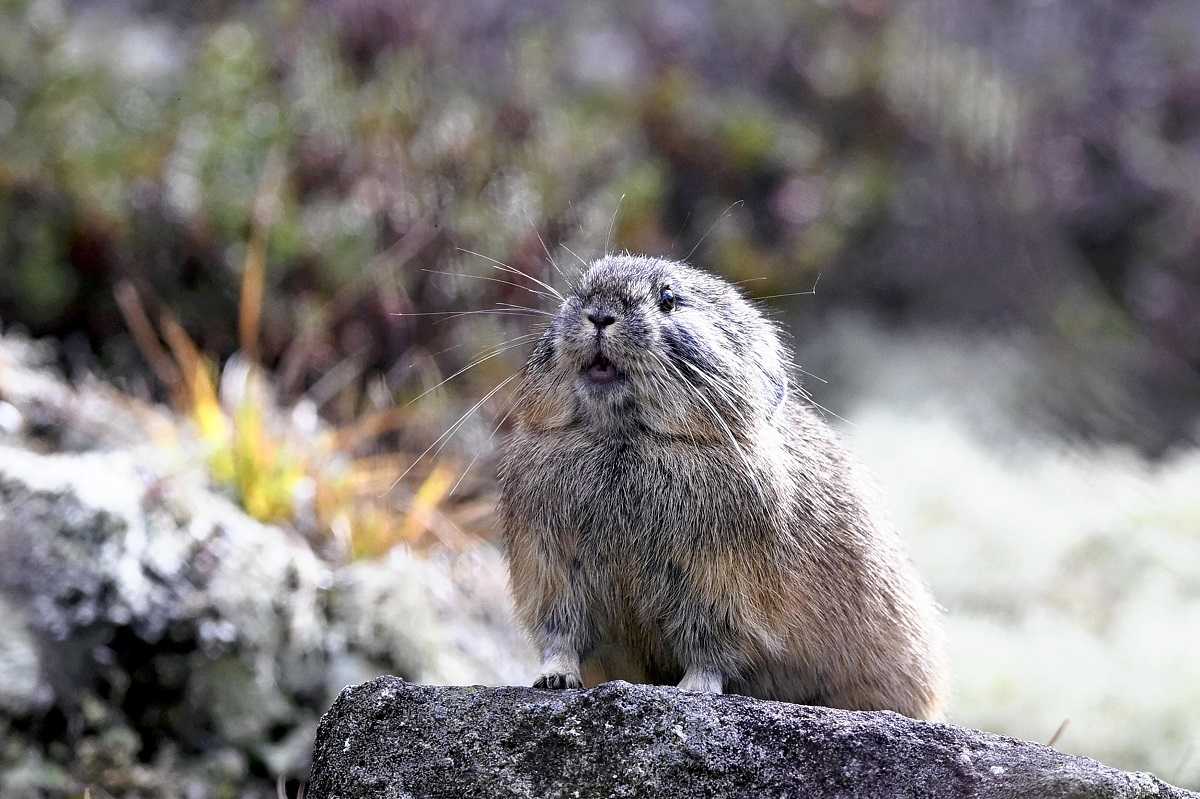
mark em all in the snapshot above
pixel 702 682
pixel 557 682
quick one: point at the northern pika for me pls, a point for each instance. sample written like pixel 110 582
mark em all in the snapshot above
pixel 675 511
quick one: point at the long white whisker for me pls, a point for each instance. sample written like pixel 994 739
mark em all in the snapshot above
pixel 611 223
pixel 721 421
pixel 658 390
pixel 718 383
pixel 450 431
pixel 789 294
pixel 809 397
pixel 462 344
pixel 686 219
pixel 546 249
pixel 516 401
pixel 440 352
pixel 498 311
pixel 711 227
pixel 577 258
pixel 506 268
pixel 716 414
pixel 810 374
pixel 489 279
pixel 503 349
pixel 509 305
pixel 723 391
pixel 501 311
pixel 808 293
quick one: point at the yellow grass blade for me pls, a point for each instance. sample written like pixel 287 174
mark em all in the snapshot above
pixel 183 350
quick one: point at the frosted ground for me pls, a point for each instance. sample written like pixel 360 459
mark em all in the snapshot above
pixel 1070 573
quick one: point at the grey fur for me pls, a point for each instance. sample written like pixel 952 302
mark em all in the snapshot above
pixel 696 521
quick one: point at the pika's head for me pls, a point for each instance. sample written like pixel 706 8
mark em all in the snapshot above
pixel 651 344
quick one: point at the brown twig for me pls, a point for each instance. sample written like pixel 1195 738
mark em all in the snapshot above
pixel 144 335
pixel 254 268
pixel 1058 733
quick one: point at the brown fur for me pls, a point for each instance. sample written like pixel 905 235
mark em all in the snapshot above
pixel 696 521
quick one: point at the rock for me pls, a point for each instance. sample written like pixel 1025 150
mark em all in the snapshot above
pixel 22 690
pixel 390 738
pixel 457 627
pixel 148 614
pixel 157 641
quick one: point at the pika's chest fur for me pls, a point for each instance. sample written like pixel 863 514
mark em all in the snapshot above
pixel 630 522
pixel 636 491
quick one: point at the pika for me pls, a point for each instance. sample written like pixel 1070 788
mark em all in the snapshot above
pixel 676 511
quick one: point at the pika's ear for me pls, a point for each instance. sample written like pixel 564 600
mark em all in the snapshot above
pixel 777 389
pixel 781 392
pixel 774 378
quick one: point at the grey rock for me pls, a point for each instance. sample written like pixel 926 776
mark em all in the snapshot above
pixel 456 626
pixel 390 738
pixel 22 690
pixel 119 595
pixel 157 641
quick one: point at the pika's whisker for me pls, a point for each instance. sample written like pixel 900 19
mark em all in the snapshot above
pixel 724 390
pixel 811 400
pixel 512 407
pixel 576 255
pixel 500 311
pixel 506 268
pixel 810 374
pixel 658 385
pixel 712 227
pixel 509 305
pixel 435 354
pixel 750 471
pixel 719 420
pixel 523 338
pixel 812 291
pixel 611 223
pixel 512 344
pixel 445 437
pixel 489 279
pixel 546 249
pixel 682 227
pixel 788 294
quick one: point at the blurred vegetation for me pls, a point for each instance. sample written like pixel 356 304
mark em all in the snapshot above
pixel 268 213
pixel 281 466
pixel 982 169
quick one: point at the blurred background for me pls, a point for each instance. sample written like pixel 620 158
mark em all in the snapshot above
pixel 247 418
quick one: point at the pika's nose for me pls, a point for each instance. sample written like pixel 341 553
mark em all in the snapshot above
pixel 600 317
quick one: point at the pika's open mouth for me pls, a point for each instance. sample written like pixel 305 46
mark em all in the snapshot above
pixel 600 370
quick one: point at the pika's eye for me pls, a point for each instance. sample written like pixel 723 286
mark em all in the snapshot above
pixel 666 299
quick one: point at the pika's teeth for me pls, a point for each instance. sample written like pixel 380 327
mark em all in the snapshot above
pixel 599 361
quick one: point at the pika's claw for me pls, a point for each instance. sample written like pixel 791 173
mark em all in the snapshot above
pixel 557 682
